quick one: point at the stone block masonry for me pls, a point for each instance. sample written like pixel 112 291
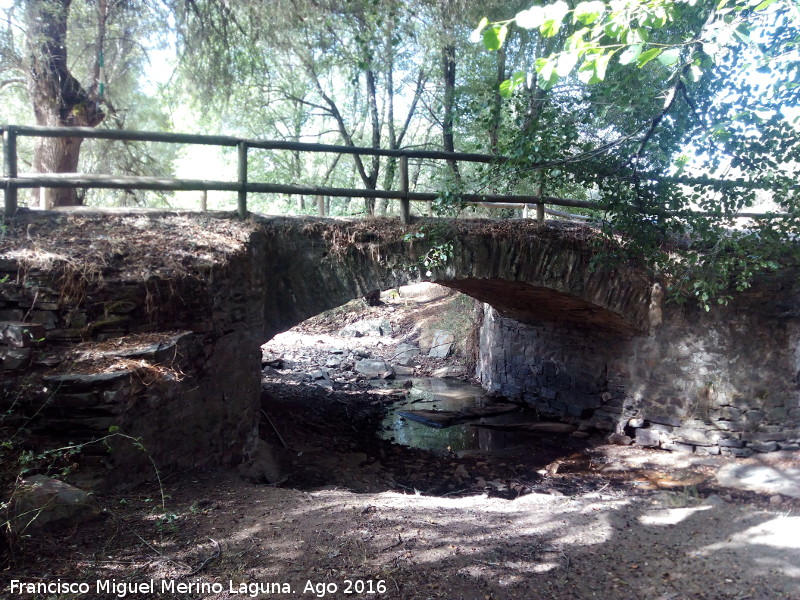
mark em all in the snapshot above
pixel 163 370
pixel 724 382
pixel 149 325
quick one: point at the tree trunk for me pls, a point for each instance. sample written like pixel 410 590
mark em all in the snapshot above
pixel 58 98
pixel 372 98
pixel 497 102
pixel 449 76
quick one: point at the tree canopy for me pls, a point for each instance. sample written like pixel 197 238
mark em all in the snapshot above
pixel 698 102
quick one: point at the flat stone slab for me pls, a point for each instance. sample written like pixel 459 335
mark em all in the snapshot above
pixel 372 368
pixel 445 418
pixel 761 478
pixel 85 380
pixel 544 427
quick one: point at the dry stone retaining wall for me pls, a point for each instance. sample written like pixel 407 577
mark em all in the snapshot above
pixel 719 382
pixel 164 372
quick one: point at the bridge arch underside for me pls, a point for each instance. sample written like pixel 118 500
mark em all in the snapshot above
pixel 557 352
pixel 525 302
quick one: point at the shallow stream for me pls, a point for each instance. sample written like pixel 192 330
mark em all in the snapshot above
pixel 432 393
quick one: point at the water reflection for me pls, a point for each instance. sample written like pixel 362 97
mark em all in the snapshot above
pixel 449 395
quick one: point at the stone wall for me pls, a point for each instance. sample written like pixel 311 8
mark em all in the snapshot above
pixel 720 382
pixel 150 324
pixel 171 362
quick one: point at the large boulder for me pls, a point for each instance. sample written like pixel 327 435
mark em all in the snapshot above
pixel 373 368
pixel 367 328
pixel 42 503
pixel 442 344
pixel 405 355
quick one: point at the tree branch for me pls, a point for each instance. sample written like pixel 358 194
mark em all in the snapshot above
pixel 14 81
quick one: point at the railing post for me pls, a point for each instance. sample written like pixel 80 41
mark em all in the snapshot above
pixel 540 205
pixel 405 203
pixel 320 206
pixel 242 180
pixel 10 170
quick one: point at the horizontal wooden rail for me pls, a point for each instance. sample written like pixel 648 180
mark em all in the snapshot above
pixel 233 141
pixel 12 181
pixel 76 180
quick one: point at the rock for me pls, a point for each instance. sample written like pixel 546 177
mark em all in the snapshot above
pixel 333 362
pixel 367 327
pixel 82 381
pixel 461 472
pixel 404 354
pixel 442 344
pixel 452 371
pixel 636 422
pixel 372 368
pixel 677 447
pixel 262 467
pixel 402 371
pixel 648 438
pixel 14 358
pixel 620 439
pixel 663 419
pixel 694 436
pixel 318 374
pixel 581 435
pixel 43 503
pixel 21 335
pixel 764 446
pixel 714 500
pixel 275 363
pixel 738 452
pixel 775 500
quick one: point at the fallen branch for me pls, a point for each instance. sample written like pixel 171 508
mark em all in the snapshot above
pixel 275 429
pixel 204 564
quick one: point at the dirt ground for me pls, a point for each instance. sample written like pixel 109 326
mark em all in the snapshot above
pixel 354 516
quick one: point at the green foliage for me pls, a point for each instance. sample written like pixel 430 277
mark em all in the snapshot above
pixel 601 31
pixel 167 524
pixel 440 248
pixel 642 90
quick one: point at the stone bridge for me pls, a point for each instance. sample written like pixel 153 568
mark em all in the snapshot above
pixel 158 334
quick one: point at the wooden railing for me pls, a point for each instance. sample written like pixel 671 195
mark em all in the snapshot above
pixel 12 180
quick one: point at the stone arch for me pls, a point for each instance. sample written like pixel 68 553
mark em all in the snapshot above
pixel 532 272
